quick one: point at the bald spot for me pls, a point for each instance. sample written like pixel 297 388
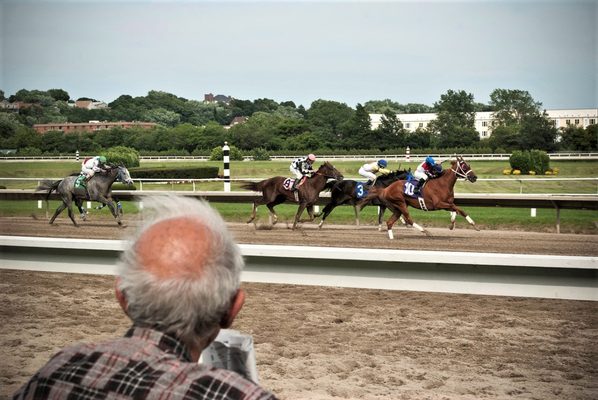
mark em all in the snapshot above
pixel 175 248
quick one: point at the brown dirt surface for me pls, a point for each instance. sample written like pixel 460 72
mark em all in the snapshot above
pixel 337 343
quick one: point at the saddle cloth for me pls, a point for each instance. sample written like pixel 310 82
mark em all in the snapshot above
pixel 360 190
pixel 80 182
pixel 410 185
pixel 288 183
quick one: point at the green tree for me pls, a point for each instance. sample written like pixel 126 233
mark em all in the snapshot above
pixel 390 133
pixel 454 125
pixel 327 118
pixel 59 94
pixel 512 106
pixel 162 116
pixel 580 139
pixel 505 137
pixel 357 130
pixel 537 132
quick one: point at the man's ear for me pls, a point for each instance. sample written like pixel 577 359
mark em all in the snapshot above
pixel 234 309
pixel 120 296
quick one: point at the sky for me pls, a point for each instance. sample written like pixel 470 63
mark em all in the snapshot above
pixel 301 51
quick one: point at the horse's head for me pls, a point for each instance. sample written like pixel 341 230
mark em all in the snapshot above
pixel 463 170
pixel 123 175
pixel 329 171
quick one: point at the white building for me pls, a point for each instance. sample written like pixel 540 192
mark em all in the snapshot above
pixel 581 117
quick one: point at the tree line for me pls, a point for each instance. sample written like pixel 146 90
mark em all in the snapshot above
pixel 195 127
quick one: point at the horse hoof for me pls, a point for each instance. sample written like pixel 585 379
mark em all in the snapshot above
pixel 451 227
pixel 427 233
pixel 476 228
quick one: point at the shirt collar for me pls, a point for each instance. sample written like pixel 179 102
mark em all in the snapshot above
pixel 164 341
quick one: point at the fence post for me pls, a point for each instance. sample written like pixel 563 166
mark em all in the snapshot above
pixel 77 155
pixel 226 159
pixel 407 151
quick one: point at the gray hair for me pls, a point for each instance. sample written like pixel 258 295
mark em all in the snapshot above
pixel 187 307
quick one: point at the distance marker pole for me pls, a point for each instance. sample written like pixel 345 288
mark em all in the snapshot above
pixel 226 159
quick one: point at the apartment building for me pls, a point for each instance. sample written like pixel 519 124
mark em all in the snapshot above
pixel 582 117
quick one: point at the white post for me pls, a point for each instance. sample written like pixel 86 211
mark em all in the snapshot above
pixel 407 151
pixel 89 204
pixel 39 204
pixel 533 213
pixel 226 159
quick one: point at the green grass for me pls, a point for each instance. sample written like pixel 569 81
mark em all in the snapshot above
pixel 572 221
pixel 492 218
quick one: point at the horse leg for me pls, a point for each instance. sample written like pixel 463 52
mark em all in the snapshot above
pixel 298 215
pixel 381 210
pixel 356 211
pixel 253 212
pixel 410 221
pixel 310 212
pixel 82 211
pixel 58 211
pixel 391 221
pixel 462 213
pixel 326 212
pixel 69 209
pixel 110 204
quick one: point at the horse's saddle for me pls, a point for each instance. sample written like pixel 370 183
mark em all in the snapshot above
pixel 360 190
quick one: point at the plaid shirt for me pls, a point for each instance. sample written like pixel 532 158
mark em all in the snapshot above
pixel 145 364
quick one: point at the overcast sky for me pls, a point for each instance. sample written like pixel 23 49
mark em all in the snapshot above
pixel 347 51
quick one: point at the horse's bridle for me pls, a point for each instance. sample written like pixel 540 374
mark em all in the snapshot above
pixel 325 175
pixel 460 171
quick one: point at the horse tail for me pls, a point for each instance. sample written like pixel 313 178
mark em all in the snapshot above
pixel 254 186
pixel 48 185
pixel 373 194
pixel 329 185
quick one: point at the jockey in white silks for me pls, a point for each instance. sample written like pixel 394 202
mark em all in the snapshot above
pixel 425 170
pixel 301 167
pixel 92 165
pixel 369 170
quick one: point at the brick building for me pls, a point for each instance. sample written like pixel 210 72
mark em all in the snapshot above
pixel 91 126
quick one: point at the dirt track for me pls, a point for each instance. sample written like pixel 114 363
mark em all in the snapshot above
pixel 335 343
pixel 464 239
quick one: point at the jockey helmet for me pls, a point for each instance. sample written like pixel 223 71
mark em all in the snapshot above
pixel 311 157
pixel 382 163
pixel 102 159
pixel 429 160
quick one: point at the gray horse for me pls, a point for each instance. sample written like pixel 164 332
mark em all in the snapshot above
pixel 98 189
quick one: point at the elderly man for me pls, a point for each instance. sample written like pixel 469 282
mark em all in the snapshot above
pixel 179 282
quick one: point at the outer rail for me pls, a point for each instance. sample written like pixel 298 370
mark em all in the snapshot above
pixel 558 277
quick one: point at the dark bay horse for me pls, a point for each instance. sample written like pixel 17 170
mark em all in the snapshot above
pixel 438 194
pixel 346 192
pixel 273 192
pixel 99 188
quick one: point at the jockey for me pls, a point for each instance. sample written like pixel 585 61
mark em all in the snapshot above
pixel 92 165
pixel 428 168
pixel 301 167
pixel 369 170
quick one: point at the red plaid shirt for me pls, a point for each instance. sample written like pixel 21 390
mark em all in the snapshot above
pixel 145 364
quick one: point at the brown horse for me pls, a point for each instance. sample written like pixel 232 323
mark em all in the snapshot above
pixel 273 192
pixel 437 194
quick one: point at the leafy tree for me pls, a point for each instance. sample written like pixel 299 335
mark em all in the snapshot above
pixel 357 129
pixel 537 132
pixel 2 95
pixel 306 141
pixel 580 139
pixel 59 94
pixel 512 106
pixel 327 118
pixel 505 137
pixel 390 133
pixel 162 116
pixel 127 156
pixel 454 123
pixel 420 139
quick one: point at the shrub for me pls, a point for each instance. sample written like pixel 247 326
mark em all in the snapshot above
pixel 534 160
pixel 176 173
pixel 122 155
pixel 260 155
pixel 218 155
pixel 516 172
pixel 507 171
pixel 29 151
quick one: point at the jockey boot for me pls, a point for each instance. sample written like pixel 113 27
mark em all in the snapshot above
pixel 295 185
pixel 419 186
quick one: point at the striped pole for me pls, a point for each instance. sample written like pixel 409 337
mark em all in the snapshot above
pixel 226 159
pixel 407 151
pixel 77 155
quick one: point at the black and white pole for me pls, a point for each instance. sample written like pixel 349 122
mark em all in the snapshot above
pixel 407 155
pixel 226 159
pixel 77 155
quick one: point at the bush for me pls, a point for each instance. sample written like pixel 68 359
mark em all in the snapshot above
pixel 218 155
pixel 528 161
pixel 175 173
pixel 260 155
pixel 122 155
pixel 29 151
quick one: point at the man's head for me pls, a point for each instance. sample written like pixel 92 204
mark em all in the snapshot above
pixel 311 158
pixel 103 159
pixel 181 272
pixel 382 163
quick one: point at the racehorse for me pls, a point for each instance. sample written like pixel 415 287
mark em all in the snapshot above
pixel 98 189
pixel 437 194
pixel 351 192
pixel 273 192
